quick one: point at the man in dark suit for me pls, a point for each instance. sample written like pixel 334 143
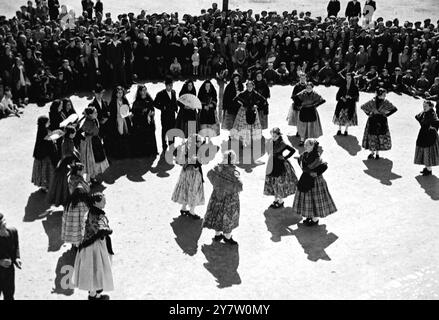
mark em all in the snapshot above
pixel 166 102
pixel 116 60
pixel 103 112
pixel 9 259
pixel 353 9
pixel 96 67
pixel 333 8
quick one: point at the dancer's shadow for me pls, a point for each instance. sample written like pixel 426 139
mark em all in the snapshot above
pixel 64 274
pixel 314 240
pixel 134 169
pixel 162 166
pixel 431 186
pixel 295 141
pixel 52 227
pixel 187 232
pixel 279 222
pixel 381 170
pixel 36 207
pixel 349 143
pixel 222 263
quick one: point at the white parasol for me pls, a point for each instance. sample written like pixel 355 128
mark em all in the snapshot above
pixel 55 135
pixel 72 118
pixel 190 101
pixel 124 110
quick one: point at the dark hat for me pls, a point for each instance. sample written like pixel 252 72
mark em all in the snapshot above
pixel 98 88
pixel 168 80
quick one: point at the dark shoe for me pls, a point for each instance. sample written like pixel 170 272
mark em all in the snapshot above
pixel 230 241
pixel 371 156
pixel 184 212
pixel 311 223
pixel 193 216
pixel 377 157
pixel 301 143
pixel 339 133
pixel 278 205
pixel 345 133
pixel 101 297
pixel 297 134
pixel 218 238
pixel 275 203
pixel 306 221
pixel 426 172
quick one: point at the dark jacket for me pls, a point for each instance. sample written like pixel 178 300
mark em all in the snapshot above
pixel 353 9
pixel 350 103
pixel 333 8
pixel 167 106
pixel 12 251
pixel 429 125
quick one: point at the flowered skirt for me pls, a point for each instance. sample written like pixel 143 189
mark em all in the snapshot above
pixel 228 120
pixel 293 116
pixel 73 223
pixel 316 203
pixel 42 172
pixel 310 129
pixel 264 119
pixel 92 268
pixel 92 168
pixel 222 212
pixel 282 186
pixel 189 189
pixel 246 132
pixel 376 142
pixel 58 194
pixel 428 156
pixel 343 119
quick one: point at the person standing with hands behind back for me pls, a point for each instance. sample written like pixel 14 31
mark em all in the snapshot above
pixel 9 259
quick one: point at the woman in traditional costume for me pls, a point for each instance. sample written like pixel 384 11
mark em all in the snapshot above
pixel 308 124
pixel 230 106
pixel 261 87
pixel 187 114
pixel 312 199
pixel 92 267
pixel 45 156
pixel 293 114
pixel 376 133
pixel 280 179
pixel 222 213
pixel 247 126
pixel 67 108
pixel 59 194
pixel 427 143
pixel 92 151
pixel 208 117
pixel 345 111
pixel 143 140
pixel 119 124
pixel 189 190
pixel 76 211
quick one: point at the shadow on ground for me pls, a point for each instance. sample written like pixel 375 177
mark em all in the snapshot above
pixel 381 170
pixel 134 169
pixel 36 207
pixel 64 274
pixel 314 240
pixel 222 263
pixel 52 227
pixel 162 167
pixel 349 143
pixel 431 186
pixel 279 222
pixel 187 232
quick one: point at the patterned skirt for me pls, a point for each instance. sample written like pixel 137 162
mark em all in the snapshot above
pixel 429 156
pixel 293 116
pixel 58 194
pixel 92 168
pixel 376 142
pixel 42 172
pixel 282 186
pixel 222 212
pixel 92 268
pixel 316 203
pixel 310 129
pixel 189 189
pixel 244 131
pixel 210 130
pixel 343 119
pixel 73 223
pixel 228 120
pixel 264 119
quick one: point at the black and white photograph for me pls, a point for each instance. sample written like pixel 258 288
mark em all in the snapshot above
pixel 216 150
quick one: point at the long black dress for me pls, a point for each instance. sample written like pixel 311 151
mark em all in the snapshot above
pixel 345 112
pixel 427 143
pixel 264 90
pixel 184 114
pixel 118 144
pixel 143 140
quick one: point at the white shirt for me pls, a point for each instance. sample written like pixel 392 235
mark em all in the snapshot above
pixel 97 62
pixel 169 94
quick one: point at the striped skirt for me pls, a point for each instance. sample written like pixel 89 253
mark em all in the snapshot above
pixel 428 156
pixel 92 268
pixel 42 172
pixel 189 189
pixel 310 129
pixel 316 203
pixel 73 223
pixel 244 131
pixel 92 168
pixel 282 186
